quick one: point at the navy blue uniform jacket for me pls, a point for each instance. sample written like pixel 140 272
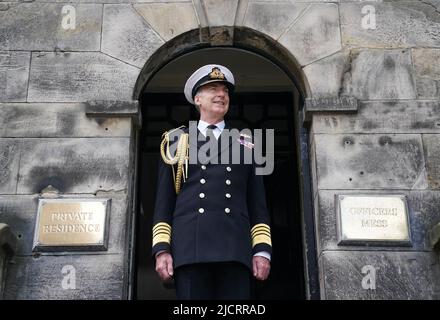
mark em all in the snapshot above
pixel 219 215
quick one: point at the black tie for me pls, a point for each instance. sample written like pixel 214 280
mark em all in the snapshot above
pixel 210 129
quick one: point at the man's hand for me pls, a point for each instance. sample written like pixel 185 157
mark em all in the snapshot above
pixel 164 265
pixel 261 267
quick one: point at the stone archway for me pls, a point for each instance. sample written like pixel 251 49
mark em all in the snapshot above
pixel 255 42
pixel 237 37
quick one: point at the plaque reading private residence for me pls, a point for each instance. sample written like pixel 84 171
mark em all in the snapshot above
pixel 373 219
pixel 72 224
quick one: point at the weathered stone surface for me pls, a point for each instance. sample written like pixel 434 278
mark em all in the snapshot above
pixel 242 8
pixel 272 18
pixel 78 77
pixel 66 277
pixel 431 145
pixel 375 161
pixel 9 164
pixel 434 236
pixel 126 36
pixel 109 108
pixel 302 1
pixel 398 275
pixel 14 75
pixel 20 212
pixel 32 26
pixel 435 4
pixel 315 35
pixel 220 13
pixel 427 73
pixel 200 13
pixel 379 74
pixel 220 36
pixel 313 167
pixel 115 109
pixel 326 76
pixel 8 240
pixel 398 24
pixel 112 1
pixel 423 215
pixel 383 117
pixel 57 120
pixel 79 165
pixel 169 19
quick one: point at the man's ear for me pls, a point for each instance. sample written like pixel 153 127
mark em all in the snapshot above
pixel 196 99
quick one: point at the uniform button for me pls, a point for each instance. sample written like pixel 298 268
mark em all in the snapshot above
pixel 228 182
pixel 229 169
pixel 202 181
pixel 201 210
pixel 228 195
pixel 203 167
pixel 202 195
pixel 227 210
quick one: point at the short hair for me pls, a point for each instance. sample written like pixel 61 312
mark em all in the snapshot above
pixel 197 94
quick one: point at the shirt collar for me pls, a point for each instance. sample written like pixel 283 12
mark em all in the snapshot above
pixel 203 125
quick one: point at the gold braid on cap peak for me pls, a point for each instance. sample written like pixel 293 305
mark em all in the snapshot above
pixel 216 74
pixel 180 158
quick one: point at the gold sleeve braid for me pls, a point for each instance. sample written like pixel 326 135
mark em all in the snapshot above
pixel 180 158
pixel 261 234
pixel 161 233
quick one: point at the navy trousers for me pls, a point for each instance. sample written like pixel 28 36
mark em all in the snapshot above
pixel 213 281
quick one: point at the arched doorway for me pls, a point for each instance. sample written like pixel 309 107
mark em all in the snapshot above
pixel 266 97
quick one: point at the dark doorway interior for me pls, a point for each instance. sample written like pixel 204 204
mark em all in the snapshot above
pixel 164 111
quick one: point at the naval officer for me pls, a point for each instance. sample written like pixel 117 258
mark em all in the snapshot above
pixel 211 229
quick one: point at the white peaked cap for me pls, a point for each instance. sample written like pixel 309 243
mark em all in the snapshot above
pixel 207 74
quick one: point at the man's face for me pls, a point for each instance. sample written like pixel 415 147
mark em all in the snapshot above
pixel 213 100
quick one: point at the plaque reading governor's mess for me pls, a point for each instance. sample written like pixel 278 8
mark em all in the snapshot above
pixel 373 219
pixel 71 224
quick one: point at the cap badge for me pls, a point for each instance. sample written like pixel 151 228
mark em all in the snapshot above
pixel 216 74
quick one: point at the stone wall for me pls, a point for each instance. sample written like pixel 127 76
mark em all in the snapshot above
pixel 82 157
pixel 390 145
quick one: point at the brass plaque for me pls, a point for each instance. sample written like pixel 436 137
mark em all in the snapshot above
pixel 377 219
pixel 71 224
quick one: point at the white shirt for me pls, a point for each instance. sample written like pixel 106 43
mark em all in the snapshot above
pixel 203 126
